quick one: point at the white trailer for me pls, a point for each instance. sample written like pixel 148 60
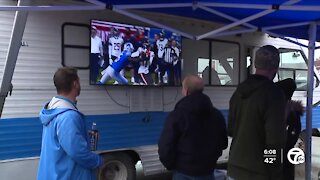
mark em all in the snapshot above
pixel 129 119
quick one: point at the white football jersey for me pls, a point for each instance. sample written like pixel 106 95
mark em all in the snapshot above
pixel 161 44
pixel 138 52
pixel 115 44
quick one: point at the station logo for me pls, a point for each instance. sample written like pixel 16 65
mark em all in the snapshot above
pixel 296 156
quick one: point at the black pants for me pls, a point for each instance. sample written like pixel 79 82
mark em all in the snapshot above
pixel 177 73
pixel 288 170
pixel 167 67
pixel 146 78
pixel 94 67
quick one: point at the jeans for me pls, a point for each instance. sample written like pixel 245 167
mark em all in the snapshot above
pixel 180 176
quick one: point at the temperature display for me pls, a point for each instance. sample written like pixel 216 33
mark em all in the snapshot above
pixel 269 156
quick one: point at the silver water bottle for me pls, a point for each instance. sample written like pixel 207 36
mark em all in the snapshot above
pixel 93 137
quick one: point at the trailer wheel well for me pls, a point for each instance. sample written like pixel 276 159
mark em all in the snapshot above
pixel 118 165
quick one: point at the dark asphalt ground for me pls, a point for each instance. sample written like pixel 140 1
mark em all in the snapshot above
pixel 163 176
pixel 166 176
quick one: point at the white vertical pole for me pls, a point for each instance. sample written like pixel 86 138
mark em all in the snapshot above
pixel 308 143
pixel 13 51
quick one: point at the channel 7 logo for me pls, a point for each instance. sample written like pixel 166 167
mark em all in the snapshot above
pixel 296 156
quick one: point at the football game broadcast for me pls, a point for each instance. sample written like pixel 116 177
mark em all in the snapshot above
pixel 123 54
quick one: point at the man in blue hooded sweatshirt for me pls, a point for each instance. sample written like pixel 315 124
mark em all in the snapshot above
pixel 65 151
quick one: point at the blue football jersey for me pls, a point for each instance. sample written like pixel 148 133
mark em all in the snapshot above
pixel 122 62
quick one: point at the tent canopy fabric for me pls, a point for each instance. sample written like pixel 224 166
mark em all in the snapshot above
pixel 282 17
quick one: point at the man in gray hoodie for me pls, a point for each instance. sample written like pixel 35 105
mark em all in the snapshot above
pixel 257 122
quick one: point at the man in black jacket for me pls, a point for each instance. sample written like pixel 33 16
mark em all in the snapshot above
pixel 257 122
pixel 294 111
pixel 194 134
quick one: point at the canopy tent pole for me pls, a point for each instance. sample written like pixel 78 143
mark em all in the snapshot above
pixel 237 21
pixel 311 48
pixel 223 15
pixel 143 19
pixel 301 8
pixel 199 5
pixel 96 2
pixel 285 26
pixel 236 5
pixel 230 33
pixel 292 41
pixel 247 19
pixel 13 51
pixel 52 8
pixel 265 29
pixel 153 6
pixel 288 7
pixel 286 39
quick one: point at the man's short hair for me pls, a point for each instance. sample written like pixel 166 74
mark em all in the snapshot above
pixel 267 57
pixel 63 79
pixel 193 83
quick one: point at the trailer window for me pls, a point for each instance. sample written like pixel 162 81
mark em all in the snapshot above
pixel 293 65
pixel 75 45
pixel 224 64
pixel 293 60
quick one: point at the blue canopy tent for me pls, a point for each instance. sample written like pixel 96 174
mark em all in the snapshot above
pixel 279 18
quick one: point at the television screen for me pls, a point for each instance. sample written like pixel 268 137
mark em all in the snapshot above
pixel 123 54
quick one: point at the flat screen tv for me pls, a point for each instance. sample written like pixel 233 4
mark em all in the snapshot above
pixel 124 54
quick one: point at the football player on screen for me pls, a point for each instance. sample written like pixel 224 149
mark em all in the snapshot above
pixel 114 69
pixel 176 62
pixel 96 54
pixel 115 44
pixel 145 57
pixel 161 43
pixel 167 65
pixel 115 47
pixel 137 41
